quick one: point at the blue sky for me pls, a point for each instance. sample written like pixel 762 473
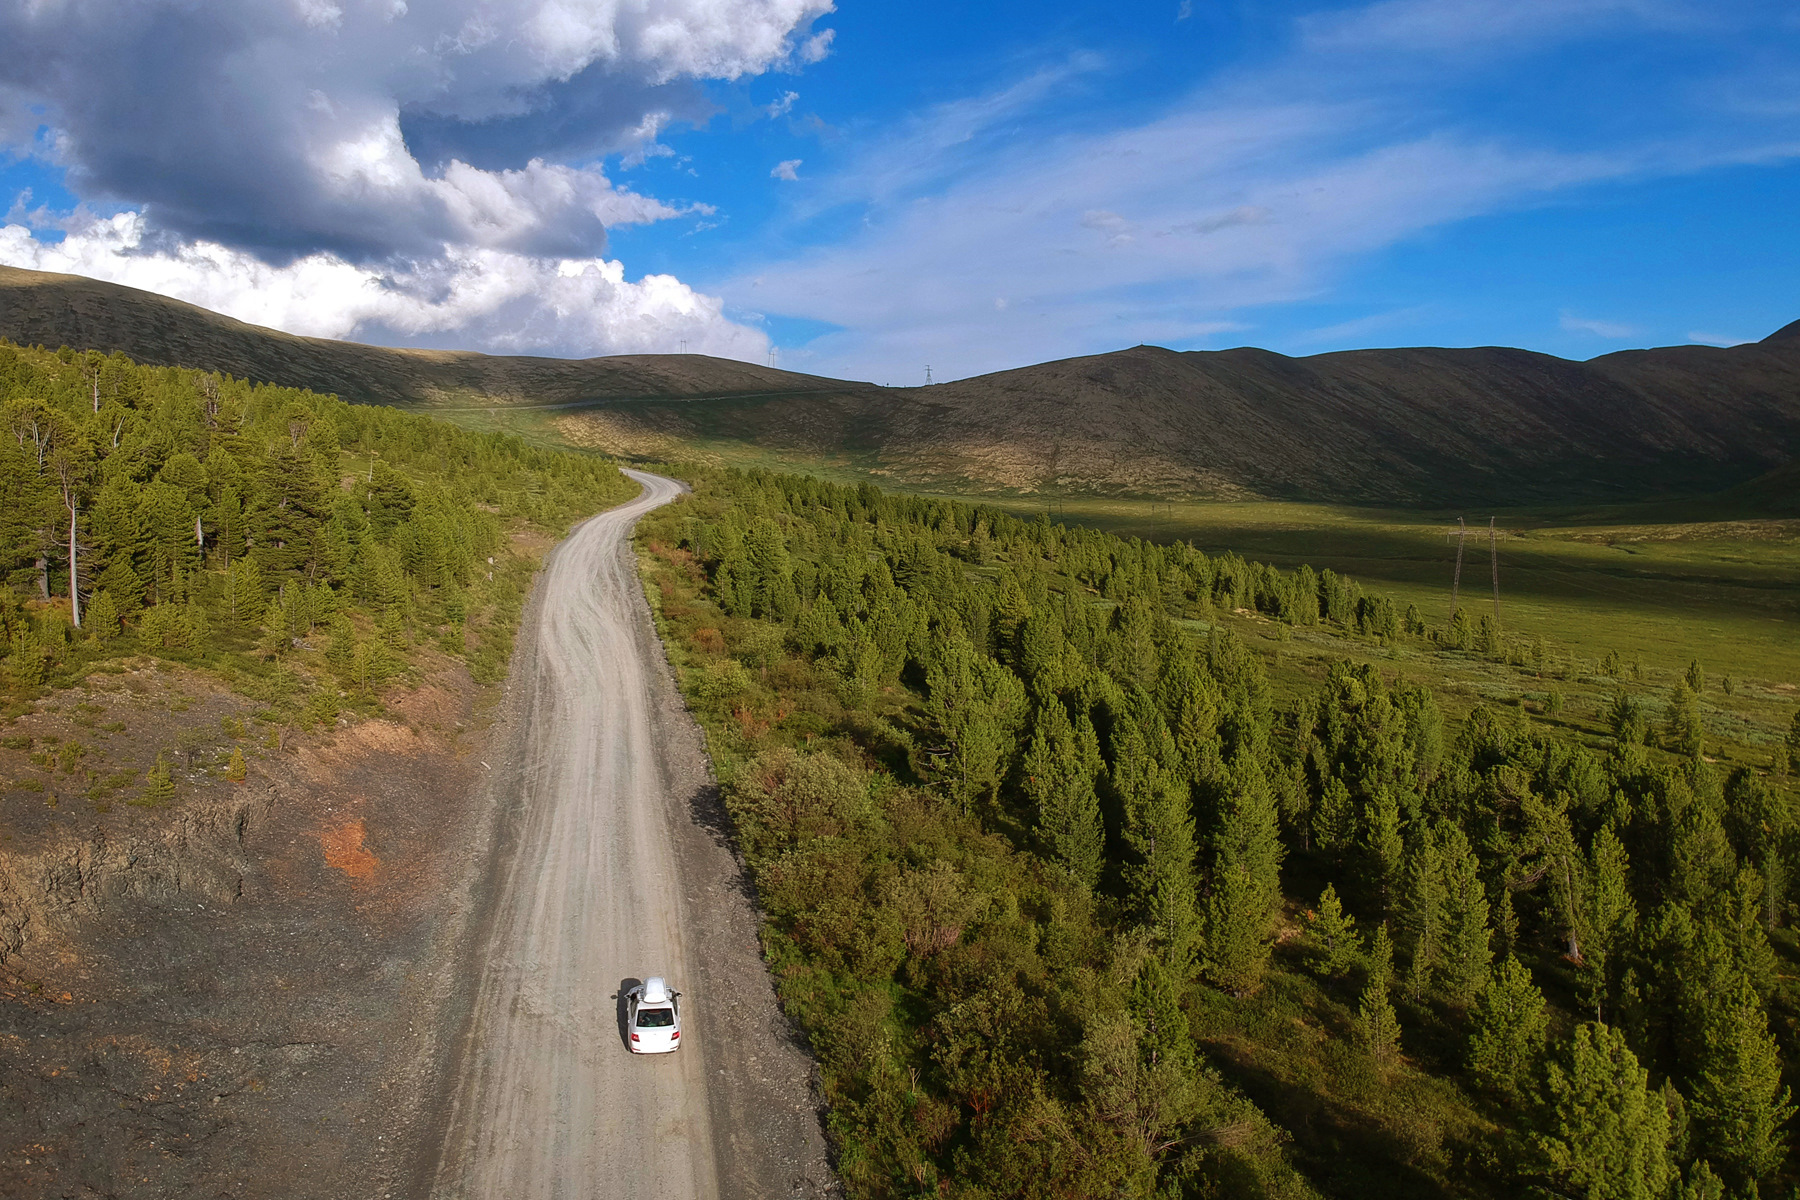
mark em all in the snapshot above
pixel 867 189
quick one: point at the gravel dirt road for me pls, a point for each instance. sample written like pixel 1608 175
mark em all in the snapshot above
pixel 610 866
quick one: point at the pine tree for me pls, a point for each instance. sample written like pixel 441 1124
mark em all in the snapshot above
pixel 1701 1184
pixel 1196 728
pixel 236 770
pixel 1487 637
pixel 276 640
pixel 1383 850
pixel 1156 1004
pixel 1612 914
pixel 1061 767
pixel 1468 948
pixel 1163 885
pixel 1684 733
pixel 1422 912
pixel 1246 883
pixel 1377 1026
pixel 1739 1105
pixel 1608 1133
pixel 1507 1029
pixel 1460 636
pixel 1506 921
pixel 1695 677
pixel 1334 817
pixel 1159 830
pixel 1335 931
pixel 978 705
pixel 159 785
pixel 103 618
pixel 244 590
pixel 1626 719
pixel 340 651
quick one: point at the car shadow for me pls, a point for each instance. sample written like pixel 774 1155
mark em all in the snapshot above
pixel 623 1011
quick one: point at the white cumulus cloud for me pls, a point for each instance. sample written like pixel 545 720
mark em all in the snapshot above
pixel 463 297
pixel 429 144
pixel 788 170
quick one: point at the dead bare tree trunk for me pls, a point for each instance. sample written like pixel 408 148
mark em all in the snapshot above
pixel 74 574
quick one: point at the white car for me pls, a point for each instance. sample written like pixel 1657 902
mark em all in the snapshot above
pixel 653 1015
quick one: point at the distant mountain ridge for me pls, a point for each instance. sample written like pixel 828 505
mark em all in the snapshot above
pixel 1423 426
pixel 39 308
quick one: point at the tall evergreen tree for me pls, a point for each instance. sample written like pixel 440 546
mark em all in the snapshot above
pixel 1159 831
pixel 1468 940
pixel 1245 895
pixel 1683 731
pixel 1335 931
pixel 1612 913
pixel 1383 849
pixel 1606 1132
pixel 1739 1106
pixel 1507 1029
pixel 1423 903
pixel 1377 1025
pixel 978 705
pixel 1061 767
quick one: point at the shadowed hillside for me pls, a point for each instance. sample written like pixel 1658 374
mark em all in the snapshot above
pixel 37 308
pixel 1407 426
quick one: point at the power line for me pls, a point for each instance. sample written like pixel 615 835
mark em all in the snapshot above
pixel 1456 580
pixel 1494 562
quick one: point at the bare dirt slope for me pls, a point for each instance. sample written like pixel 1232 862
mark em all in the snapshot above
pixel 607 873
pixel 241 993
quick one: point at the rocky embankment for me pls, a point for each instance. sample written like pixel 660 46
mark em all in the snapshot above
pixel 246 988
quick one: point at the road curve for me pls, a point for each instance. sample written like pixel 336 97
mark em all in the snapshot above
pixel 602 875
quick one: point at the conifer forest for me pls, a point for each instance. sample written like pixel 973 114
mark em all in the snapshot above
pixel 1069 902
pixel 1064 894
pixel 302 548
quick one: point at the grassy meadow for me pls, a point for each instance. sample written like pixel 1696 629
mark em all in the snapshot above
pixel 1658 590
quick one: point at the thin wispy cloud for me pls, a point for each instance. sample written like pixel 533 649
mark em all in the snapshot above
pixel 1259 188
pixel 788 170
pixel 1616 331
pixel 1359 331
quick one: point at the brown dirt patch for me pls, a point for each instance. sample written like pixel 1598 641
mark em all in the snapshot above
pixel 344 850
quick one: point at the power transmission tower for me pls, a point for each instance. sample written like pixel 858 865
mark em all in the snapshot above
pixel 684 345
pixel 1456 580
pixel 1494 562
pixel 927 374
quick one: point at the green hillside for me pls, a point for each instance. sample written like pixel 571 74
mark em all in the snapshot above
pixel 305 549
pixel 1093 866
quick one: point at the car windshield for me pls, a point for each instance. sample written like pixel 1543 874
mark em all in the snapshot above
pixel 655 1018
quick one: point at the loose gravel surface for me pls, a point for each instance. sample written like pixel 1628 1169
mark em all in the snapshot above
pixel 611 865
